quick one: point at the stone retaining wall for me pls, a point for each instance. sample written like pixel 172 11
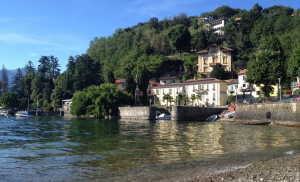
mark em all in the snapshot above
pixel 144 113
pixel 285 113
pixel 182 113
pixel 46 113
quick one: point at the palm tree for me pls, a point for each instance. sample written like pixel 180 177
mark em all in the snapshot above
pixel 193 97
pixel 168 97
pixel 179 97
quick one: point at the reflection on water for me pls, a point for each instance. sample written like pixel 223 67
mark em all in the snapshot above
pixel 59 149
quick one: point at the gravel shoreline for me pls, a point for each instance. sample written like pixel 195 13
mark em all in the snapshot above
pixel 284 168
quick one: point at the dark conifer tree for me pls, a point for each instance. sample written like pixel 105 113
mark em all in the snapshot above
pixel 143 82
pixel 111 77
pixel 4 81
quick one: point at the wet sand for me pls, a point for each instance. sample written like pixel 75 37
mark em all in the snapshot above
pixel 286 168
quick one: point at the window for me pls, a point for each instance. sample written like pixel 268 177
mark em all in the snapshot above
pixel 177 90
pixel 122 85
pixel 224 60
pixel 170 90
pixel 243 77
pixel 231 87
pixel 149 92
pixel 157 91
pixel 183 88
pixel 244 85
pixel 205 61
pixel 214 95
pixel 193 87
pixel 215 60
pixel 214 86
pixel 173 81
pixel 205 70
pixel 257 92
pixel 163 91
pixel 207 86
pixel 225 68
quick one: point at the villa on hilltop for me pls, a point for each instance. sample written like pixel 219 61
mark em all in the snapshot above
pixel 212 55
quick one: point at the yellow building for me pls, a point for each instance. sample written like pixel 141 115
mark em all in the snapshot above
pixel 212 55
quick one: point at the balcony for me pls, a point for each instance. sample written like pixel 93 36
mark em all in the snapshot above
pixel 231 91
pixel 212 64
pixel 248 88
pixel 296 85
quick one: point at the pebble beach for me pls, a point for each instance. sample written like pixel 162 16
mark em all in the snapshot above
pixel 284 168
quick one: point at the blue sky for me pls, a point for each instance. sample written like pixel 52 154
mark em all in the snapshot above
pixel 30 29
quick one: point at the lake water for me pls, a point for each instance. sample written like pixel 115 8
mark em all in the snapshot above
pixel 77 149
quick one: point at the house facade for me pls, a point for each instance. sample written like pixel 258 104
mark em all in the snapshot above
pixel 232 86
pixel 212 55
pixel 249 92
pixel 205 91
pixel 217 25
pixel 138 94
pixel 167 80
pixel 295 84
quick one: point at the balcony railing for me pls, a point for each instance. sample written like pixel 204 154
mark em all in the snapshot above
pixel 247 88
pixel 296 85
pixel 212 64
pixel 231 91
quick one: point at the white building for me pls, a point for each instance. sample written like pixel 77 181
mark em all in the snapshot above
pixel 217 25
pixel 210 91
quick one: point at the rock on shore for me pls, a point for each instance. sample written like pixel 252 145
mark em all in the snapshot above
pixel 285 168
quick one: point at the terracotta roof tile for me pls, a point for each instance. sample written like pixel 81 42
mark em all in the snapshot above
pixel 242 72
pixel 122 80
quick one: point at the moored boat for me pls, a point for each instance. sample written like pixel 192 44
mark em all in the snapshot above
pixel 163 116
pixel 24 115
pixel 212 118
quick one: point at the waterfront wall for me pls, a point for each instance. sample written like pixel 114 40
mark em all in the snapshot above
pixel 284 113
pixel 144 113
pixel 182 113
pixel 46 113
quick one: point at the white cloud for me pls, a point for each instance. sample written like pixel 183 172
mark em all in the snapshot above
pixel 155 7
pixel 5 20
pixel 43 41
pixel 31 54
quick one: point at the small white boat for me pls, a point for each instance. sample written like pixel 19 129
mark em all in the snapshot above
pixel 163 116
pixel 230 114
pixel 212 118
pixel 3 113
pixel 24 115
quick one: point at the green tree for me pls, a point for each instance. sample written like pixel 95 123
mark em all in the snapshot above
pixel 54 69
pixel 29 68
pixel 168 97
pixel 218 72
pixel 16 83
pixel 130 84
pixel 87 72
pixel 265 68
pixel 111 77
pixel 190 66
pixel 8 100
pixel 36 89
pixel 193 98
pixel 4 81
pixel 143 82
pixel 294 61
pixel 231 99
pixel 79 103
pixel 179 37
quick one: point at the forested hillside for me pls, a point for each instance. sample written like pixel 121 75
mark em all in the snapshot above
pixel 263 36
